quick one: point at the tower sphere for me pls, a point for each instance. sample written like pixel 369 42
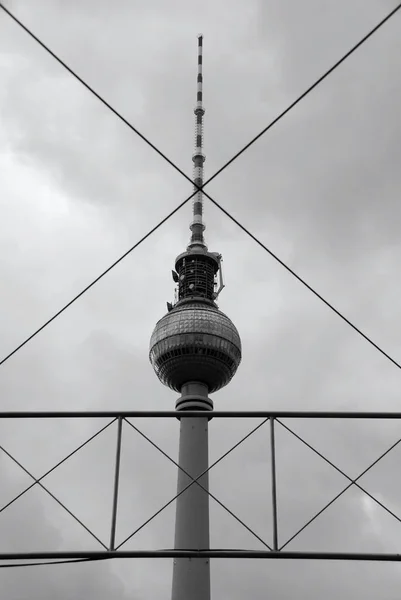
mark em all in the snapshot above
pixel 195 341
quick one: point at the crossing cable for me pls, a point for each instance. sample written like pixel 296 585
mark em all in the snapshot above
pixel 271 124
pixel 193 480
pixel 53 496
pixel 192 483
pixel 88 287
pixel 197 188
pixel 92 91
pixel 353 482
pixel 37 481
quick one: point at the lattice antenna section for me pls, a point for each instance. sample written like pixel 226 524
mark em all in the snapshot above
pixel 197 226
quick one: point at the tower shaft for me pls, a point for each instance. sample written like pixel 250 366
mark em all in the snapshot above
pixel 195 349
pixel 197 225
pixel 191 577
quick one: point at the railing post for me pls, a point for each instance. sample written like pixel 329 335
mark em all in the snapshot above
pixel 116 484
pixel 274 483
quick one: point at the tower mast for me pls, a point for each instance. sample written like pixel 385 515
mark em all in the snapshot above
pixel 195 350
pixel 197 227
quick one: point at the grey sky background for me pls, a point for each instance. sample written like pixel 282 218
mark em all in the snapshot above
pixel 78 188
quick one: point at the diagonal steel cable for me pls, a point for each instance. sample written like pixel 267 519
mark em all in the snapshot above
pixel 192 483
pixel 198 483
pixel 92 91
pixel 307 91
pixel 53 496
pixel 88 287
pixel 353 482
pixel 305 284
pixel 57 465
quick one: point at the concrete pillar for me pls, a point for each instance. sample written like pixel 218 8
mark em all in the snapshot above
pixel 191 577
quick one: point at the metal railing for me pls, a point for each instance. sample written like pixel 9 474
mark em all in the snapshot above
pixel 273 418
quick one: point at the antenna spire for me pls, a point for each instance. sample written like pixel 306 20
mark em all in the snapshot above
pixel 197 226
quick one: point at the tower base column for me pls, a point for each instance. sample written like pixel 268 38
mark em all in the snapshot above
pixel 191 577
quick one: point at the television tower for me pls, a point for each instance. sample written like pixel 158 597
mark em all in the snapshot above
pixel 195 350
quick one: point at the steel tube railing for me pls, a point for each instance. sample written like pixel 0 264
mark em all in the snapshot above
pixel 256 414
pixel 223 553
pixel 116 484
pixel 273 483
pixel 114 552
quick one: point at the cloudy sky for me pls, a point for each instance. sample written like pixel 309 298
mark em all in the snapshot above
pixel 321 189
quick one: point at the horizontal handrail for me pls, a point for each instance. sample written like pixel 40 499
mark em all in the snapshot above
pixel 238 414
pixel 225 553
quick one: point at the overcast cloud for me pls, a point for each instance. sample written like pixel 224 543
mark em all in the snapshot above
pixel 321 189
